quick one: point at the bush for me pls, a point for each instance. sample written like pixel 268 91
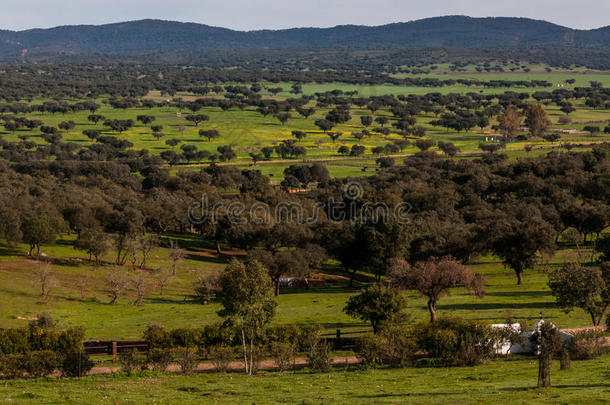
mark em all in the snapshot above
pixel 393 345
pixel 309 336
pixel 217 334
pixel 369 352
pixel 460 341
pixel 157 337
pixel 283 354
pixel 75 364
pixel 40 363
pixel 14 341
pixel 159 358
pixel 186 357
pixel 221 357
pixel 36 338
pixel 11 366
pixel 320 357
pixel 587 345
pixel 44 321
pixel 186 337
pixel 289 333
pixel 132 360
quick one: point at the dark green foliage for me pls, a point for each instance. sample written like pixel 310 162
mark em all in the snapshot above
pixel 394 345
pixel 75 364
pixel 35 338
pixel 583 287
pixel 376 304
pixel 460 341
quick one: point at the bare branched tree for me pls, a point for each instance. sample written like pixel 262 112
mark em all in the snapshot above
pixel 46 279
pixel 163 277
pixel 140 284
pixel 117 283
pixel 176 254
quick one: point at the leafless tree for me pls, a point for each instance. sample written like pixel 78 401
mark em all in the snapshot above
pixel 46 279
pixel 117 283
pixel 176 254
pixel 163 277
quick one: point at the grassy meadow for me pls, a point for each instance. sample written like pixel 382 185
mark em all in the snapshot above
pixel 73 305
pixel 500 382
pixel 247 130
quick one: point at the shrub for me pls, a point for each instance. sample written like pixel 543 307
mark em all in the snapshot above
pixel 465 342
pixel 283 334
pixel 44 321
pixel 11 365
pixel 58 340
pixel 587 345
pixel 186 337
pixel 283 355
pixel 186 357
pixel 131 360
pixel 320 357
pixel 40 363
pixel 159 358
pixel 217 334
pixel 157 337
pixel 369 352
pixel 14 341
pixel 309 336
pixel 393 345
pixel 75 364
pixel 221 357
pixel 70 339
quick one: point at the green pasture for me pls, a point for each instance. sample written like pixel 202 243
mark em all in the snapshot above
pixel 248 131
pixel 500 382
pixel 73 305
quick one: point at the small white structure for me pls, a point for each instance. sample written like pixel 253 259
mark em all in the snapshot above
pixel 504 347
pixel 528 346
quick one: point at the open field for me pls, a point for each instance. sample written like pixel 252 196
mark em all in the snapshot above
pixel 248 131
pixel 500 382
pixel 178 307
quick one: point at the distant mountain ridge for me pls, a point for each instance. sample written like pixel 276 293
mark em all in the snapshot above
pixel 148 36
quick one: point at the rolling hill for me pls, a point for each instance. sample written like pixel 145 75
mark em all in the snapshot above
pixel 147 36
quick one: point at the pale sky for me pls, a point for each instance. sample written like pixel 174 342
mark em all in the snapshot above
pixel 274 14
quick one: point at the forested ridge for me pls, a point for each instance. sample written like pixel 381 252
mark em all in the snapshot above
pixel 154 36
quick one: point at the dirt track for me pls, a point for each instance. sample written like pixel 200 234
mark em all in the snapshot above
pixel 233 366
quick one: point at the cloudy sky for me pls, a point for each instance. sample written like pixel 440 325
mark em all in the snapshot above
pixel 273 14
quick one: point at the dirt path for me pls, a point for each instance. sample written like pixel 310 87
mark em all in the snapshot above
pixel 233 366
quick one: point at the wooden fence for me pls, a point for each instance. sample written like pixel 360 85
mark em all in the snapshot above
pixel 338 340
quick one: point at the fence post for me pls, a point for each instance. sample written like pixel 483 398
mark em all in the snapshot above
pixel 114 351
pixel 338 340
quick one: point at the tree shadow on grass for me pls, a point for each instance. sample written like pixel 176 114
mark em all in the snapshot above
pixel 7 251
pixel 560 386
pixel 206 259
pixel 492 305
pixel 317 290
pixel 519 294
pixel 409 394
